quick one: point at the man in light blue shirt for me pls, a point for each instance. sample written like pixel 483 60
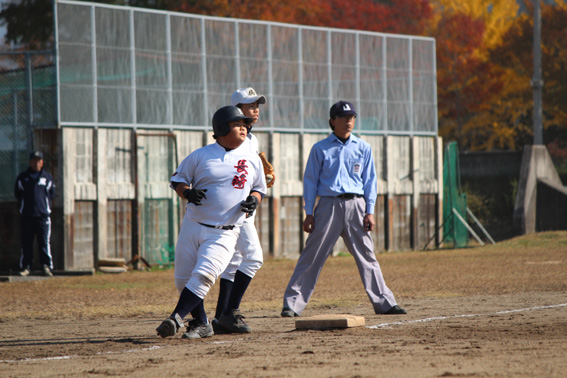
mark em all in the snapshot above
pixel 341 172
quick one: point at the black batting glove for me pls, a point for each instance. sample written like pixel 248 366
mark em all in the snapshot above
pixel 195 196
pixel 249 205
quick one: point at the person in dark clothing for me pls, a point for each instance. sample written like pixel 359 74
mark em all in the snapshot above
pixel 34 191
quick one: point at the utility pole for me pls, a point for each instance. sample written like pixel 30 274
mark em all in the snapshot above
pixel 537 82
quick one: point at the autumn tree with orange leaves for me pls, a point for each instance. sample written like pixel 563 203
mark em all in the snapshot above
pixel 487 104
pixel 401 16
pixel 466 81
pixel 512 110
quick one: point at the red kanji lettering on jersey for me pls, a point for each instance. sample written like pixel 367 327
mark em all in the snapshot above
pixel 241 166
pixel 239 181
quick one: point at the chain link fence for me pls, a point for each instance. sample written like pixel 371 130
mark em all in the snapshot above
pixel 27 101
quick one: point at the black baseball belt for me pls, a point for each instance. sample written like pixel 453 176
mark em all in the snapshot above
pixel 217 227
pixel 349 196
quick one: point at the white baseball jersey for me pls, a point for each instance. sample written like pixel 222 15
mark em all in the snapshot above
pixel 228 176
pixel 253 143
pixel 248 256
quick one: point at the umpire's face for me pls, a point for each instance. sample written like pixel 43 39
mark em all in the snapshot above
pixel 343 126
pixel 36 164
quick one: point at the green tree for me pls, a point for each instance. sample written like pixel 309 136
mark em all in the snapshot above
pixel 29 23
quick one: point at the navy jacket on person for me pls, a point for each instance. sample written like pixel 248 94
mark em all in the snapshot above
pixel 34 195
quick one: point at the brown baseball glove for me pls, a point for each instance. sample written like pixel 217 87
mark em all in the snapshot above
pixel 268 170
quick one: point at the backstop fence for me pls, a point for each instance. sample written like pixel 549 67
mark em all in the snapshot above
pixel 133 67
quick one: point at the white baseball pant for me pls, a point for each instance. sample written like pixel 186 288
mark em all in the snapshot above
pixel 248 257
pixel 201 255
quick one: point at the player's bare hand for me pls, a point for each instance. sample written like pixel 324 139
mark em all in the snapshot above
pixel 249 205
pixel 309 224
pixel 368 222
pixel 195 196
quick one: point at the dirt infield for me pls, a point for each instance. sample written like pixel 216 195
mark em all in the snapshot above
pixel 496 311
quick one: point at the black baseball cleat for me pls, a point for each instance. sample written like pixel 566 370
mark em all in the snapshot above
pixel 233 322
pixel 169 327
pixel 198 330
pixel 288 313
pixel 218 328
pixel 396 310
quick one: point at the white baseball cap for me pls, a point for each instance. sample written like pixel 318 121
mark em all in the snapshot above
pixel 246 96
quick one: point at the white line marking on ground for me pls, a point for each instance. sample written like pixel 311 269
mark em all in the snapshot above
pixel 383 325
pixel 75 356
pixel 226 341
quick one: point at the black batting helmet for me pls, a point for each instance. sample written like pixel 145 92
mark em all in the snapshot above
pixel 227 114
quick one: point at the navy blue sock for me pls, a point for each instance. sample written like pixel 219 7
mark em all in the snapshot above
pixel 224 294
pixel 241 282
pixel 199 312
pixel 187 302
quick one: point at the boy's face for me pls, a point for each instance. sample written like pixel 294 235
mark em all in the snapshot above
pixel 251 110
pixel 236 136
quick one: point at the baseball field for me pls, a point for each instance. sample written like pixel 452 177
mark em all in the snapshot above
pixel 492 311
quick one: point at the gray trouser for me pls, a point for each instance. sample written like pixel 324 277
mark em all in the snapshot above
pixel 333 217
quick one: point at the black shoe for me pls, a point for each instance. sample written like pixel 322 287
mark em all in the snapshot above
pixel 288 313
pixel 396 310
pixel 218 328
pixel 169 327
pixel 233 322
pixel 198 330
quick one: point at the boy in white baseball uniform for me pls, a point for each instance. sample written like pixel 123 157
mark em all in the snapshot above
pixel 248 258
pixel 223 183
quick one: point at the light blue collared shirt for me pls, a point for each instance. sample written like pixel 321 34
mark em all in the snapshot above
pixel 334 168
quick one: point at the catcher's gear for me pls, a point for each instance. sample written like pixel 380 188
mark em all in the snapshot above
pixel 268 170
pixel 249 205
pixel 227 114
pixel 195 195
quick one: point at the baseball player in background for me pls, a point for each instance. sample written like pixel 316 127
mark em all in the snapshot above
pixel 34 190
pixel 340 171
pixel 223 183
pixel 248 258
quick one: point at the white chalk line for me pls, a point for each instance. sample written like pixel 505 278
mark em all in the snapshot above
pixel 75 356
pixel 383 325
pixel 371 327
